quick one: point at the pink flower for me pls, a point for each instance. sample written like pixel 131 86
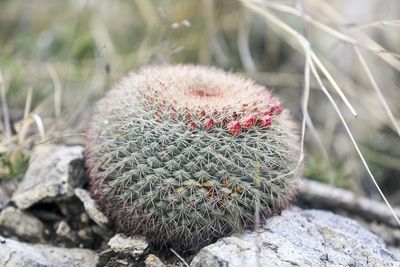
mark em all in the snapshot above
pixel 249 120
pixel 234 127
pixel 209 123
pixel 266 120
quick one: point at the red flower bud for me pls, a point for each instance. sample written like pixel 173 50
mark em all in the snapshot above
pixel 266 121
pixel 209 123
pixel 234 127
pixel 249 120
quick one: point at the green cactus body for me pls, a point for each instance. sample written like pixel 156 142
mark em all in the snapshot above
pixel 183 154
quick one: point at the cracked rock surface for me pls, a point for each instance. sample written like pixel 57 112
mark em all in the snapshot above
pixel 300 238
pixel 54 171
pixel 14 253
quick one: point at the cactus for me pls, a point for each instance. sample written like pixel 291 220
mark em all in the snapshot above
pixel 184 154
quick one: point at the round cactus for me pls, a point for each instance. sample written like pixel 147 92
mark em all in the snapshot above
pixel 184 154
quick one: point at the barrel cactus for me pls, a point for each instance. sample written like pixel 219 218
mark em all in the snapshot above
pixel 187 154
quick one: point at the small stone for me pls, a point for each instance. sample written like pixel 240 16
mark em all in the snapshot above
pixel 91 207
pixel 63 230
pixel 85 234
pixel 21 224
pixel 134 246
pixel 15 254
pixel 84 218
pixel 153 261
pixel 53 173
pixel 6 190
pixel 122 262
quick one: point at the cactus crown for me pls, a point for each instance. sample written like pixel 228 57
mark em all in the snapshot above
pixel 184 154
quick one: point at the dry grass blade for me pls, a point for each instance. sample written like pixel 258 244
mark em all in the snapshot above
pixel 285 27
pixel 26 120
pixel 377 90
pixel 333 82
pixel 336 17
pixel 39 125
pixel 267 15
pixel 63 135
pixel 243 45
pixel 179 257
pixel 381 23
pixel 6 115
pixel 305 98
pixel 331 31
pixel 316 137
pixel 326 28
pixel 328 95
pixel 57 90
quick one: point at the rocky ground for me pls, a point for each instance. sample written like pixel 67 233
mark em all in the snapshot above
pixel 49 219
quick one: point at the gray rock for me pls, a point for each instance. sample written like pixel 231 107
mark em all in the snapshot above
pixel 153 261
pixel 6 190
pixel 91 208
pixel 133 246
pixel 395 251
pixel 300 238
pixel 21 224
pixel 54 171
pixel 64 230
pixel 18 254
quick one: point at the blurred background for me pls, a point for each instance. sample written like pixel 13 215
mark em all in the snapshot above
pixel 57 58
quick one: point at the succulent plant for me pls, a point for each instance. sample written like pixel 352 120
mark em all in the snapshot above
pixel 184 154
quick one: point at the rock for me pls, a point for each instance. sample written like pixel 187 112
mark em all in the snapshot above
pixel 53 173
pixel 133 246
pixel 19 254
pixel 395 251
pixel 6 190
pixel 153 261
pixel 300 238
pixel 91 208
pixel 84 218
pixel 21 224
pixel 64 230
pixel 85 234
